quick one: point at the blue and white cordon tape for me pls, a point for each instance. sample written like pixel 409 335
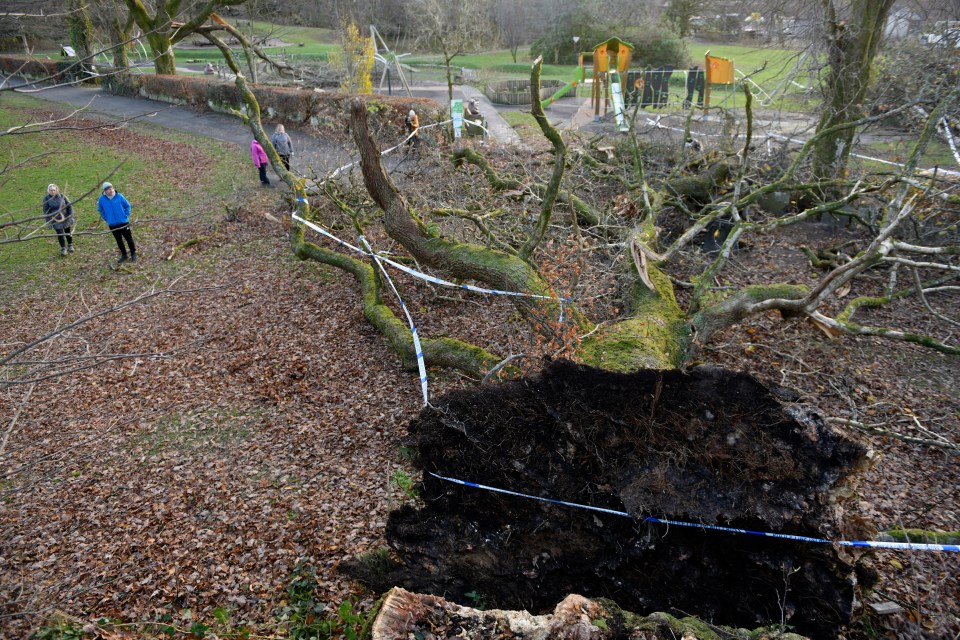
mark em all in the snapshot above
pixel 379 259
pixel 876 544
pixel 426 277
pixel 421 363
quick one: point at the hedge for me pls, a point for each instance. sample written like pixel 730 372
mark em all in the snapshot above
pixel 65 70
pixel 321 109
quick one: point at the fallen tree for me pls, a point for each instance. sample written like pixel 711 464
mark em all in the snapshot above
pixel 705 446
pixel 404 615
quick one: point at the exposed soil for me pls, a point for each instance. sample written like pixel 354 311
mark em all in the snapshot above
pixel 705 446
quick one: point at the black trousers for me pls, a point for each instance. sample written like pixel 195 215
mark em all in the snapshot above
pixel 121 233
pixel 64 236
pixel 286 161
pixel 263 174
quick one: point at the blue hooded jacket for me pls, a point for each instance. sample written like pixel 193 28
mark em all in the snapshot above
pixel 114 210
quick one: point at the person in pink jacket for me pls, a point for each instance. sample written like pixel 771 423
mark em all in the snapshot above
pixel 260 162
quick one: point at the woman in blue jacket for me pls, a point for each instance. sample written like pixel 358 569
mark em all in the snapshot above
pixel 115 211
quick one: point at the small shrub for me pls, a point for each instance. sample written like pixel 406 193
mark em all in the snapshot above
pixel 405 483
pixel 308 618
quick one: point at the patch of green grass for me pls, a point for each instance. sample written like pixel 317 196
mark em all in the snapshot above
pixel 59 157
pixel 78 164
pixel 301 42
pixel 525 124
pixel 937 152
pixel 195 431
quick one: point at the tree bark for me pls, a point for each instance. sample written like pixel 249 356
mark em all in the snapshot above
pixel 462 260
pixel 852 44
pixel 405 614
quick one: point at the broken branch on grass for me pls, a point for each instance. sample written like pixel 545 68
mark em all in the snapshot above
pixel 878 429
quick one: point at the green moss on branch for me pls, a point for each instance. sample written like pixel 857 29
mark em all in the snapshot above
pixel 655 337
pixel 441 352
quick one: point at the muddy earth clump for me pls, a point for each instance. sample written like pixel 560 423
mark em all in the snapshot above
pixel 706 445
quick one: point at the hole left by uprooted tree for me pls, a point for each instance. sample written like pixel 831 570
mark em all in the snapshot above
pixel 705 446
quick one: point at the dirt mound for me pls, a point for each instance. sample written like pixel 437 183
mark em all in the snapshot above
pixel 707 446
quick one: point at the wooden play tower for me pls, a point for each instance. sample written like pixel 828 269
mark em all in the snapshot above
pixel 611 59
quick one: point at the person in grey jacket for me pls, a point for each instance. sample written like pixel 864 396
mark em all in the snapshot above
pixel 283 144
pixel 59 214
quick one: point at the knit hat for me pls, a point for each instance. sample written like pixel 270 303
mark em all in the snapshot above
pixel 105 186
pixel 412 113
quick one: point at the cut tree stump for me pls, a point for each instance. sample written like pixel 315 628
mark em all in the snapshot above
pixel 405 615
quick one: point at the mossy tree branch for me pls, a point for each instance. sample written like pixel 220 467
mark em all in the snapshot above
pixel 437 352
pixel 559 164
pixel 463 260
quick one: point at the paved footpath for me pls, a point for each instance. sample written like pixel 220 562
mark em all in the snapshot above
pixel 312 153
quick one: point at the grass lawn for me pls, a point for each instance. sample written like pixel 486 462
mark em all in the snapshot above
pixel 524 124
pixel 170 176
pixel 937 153
pixel 302 42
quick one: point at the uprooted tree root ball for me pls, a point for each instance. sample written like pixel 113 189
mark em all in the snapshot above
pixel 705 446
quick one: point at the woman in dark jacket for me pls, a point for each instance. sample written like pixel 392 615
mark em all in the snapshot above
pixel 59 214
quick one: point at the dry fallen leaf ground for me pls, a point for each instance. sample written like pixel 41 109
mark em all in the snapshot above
pixel 268 430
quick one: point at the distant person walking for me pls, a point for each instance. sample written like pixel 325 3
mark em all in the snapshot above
pixel 260 162
pixel 115 211
pixel 283 144
pixel 412 125
pixel 59 214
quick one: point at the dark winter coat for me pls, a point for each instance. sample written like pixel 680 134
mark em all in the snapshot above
pixel 58 211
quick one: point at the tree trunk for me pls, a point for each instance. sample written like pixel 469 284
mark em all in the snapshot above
pixel 81 36
pixel 119 35
pixel 410 615
pixel 165 62
pixel 852 45
pixel 463 260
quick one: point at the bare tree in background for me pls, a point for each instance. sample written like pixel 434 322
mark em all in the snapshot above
pixel 162 29
pixel 680 13
pixel 513 19
pixel 452 27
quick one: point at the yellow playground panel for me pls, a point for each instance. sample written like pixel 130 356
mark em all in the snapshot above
pixel 719 71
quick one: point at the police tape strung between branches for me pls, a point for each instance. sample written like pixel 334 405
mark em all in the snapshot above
pixel 876 544
pixel 426 277
pixel 421 365
pixel 418 349
pixel 770 135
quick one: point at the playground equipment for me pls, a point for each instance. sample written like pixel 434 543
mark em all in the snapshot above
pixel 649 87
pixel 719 72
pixel 611 59
pixel 387 58
pixel 516 92
pixel 578 76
